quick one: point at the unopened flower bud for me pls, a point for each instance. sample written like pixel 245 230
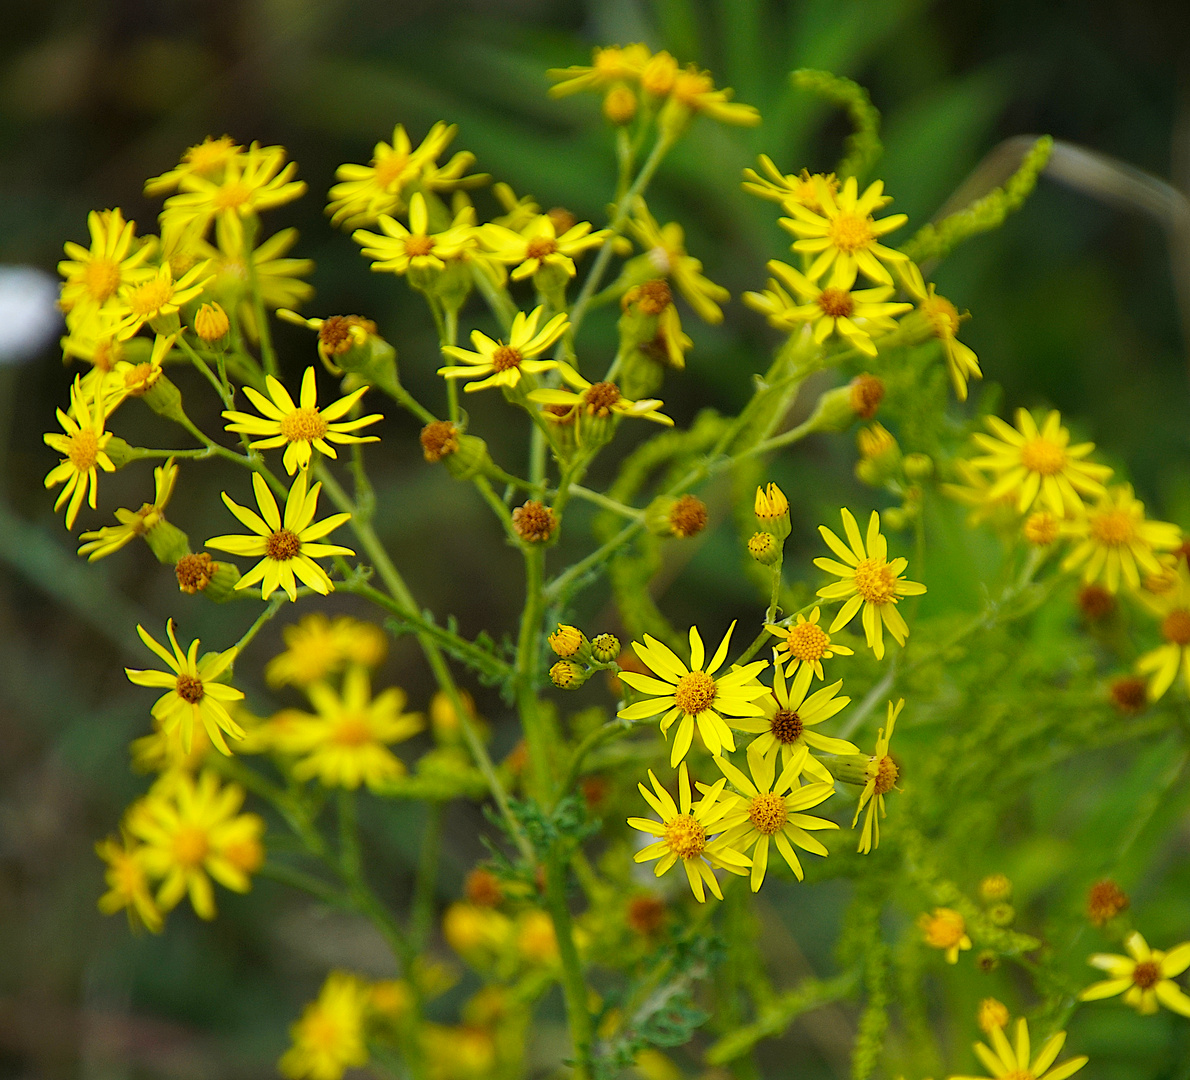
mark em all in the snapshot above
pixel 619 104
pixel 879 455
pixel 211 323
pixel 566 641
pixel 534 522
pixel 1041 528
pixel 1002 914
pixel 986 960
pixel 605 648
pixel 995 888
pixel 772 511
pixel 764 548
pixel 567 675
pixel 894 517
pixel 992 1014
pixel 659 74
pixel 918 466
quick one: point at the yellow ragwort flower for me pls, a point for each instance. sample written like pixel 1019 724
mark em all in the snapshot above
pixel 1037 465
pixel 111 538
pixel 402 249
pixel 193 695
pixel 1005 1060
pixel 1172 607
pixel 788 717
pixel 160 295
pixel 692 93
pixel 83 448
pixel 94 276
pixel 665 246
pixel 944 928
pixel 804 642
pixel 869 581
pixel 609 65
pixel 801 189
pixel 329 1038
pixel 843 233
pixel 684 832
pixel 192 829
pixel 537 245
pixel 208 160
pixel 300 428
pixel 694 695
pixel 316 647
pixel 598 401
pixel 1145 976
pixel 495 364
pixel 1113 538
pixel 287 545
pixel 134 380
pixel 347 742
pixel 944 319
pixel 128 886
pixel 772 809
pixel 882 774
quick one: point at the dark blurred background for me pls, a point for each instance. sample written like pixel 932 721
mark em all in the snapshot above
pixel 1074 305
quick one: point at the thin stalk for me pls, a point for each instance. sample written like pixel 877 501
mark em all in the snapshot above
pixel 613 505
pixel 574 986
pixel 528 648
pixel 426 886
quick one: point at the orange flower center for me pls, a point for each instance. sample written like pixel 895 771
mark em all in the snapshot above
pixel 943 316
pixel 84 449
pixel 540 247
pixel 148 299
pixel 352 730
pixel 389 168
pixel 1042 456
pixel 874 581
pixel 1112 527
pixel 836 303
pixel 102 279
pixel 232 196
pixel 695 692
pixel 1175 627
pixel 849 233
pixel 506 357
pixel 190 846
pixel 685 836
pixel 786 726
pixel 282 545
pixel 246 855
pixel 886 775
pixel 807 641
pixel 303 425
pixel 418 245
pixel 600 397
pixel 189 688
pixel 768 813
pixel 1146 974
pixel 140 378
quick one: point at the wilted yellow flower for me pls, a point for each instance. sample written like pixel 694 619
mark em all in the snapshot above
pixel 882 774
pixel 111 538
pixel 495 364
pixel 329 1038
pixel 1145 976
pixel 945 929
pixel 83 446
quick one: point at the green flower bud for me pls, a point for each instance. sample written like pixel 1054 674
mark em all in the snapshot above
pixel 918 466
pixel 119 451
pixel 605 648
pixel 1002 914
pixel 167 542
pixel 566 675
pixel 165 399
pixel 763 547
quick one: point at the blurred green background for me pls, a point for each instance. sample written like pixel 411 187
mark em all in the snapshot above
pixel 1075 305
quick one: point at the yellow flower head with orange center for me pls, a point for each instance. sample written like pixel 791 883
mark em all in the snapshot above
pixel 494 363
pixel 789 716
pixel 944 928
pixel 1113 539
pixel 1145 976
pixel 1037 465
pixel 800 189
pixel 287 545
pixel 693 93
pixel 402 249
pixel 302 428
pixel 944 319
pixel 317 647
pixel 665 247
pixel 685 832
pixel 128 886
pixel 347 742
pixel 693 695
pixel 804 642
pixel 882 774
pixel 538 245
pixel 328 1039
pixel 843 233
pixel 111 538
pixel 869 580
pixel 598 401
pixel 1172 609
pixel 82 449
pixel 95 276
pixel 771 807
pixel 192 831
pixel 1014 1060
pixel 160 295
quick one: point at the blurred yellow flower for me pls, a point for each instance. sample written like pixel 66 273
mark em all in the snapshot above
pixel 329 1038
pixel 127 884
pixel 1145 976
pixel 1002 1059
pixel 944 928
pixel 882 774
pixel 94 276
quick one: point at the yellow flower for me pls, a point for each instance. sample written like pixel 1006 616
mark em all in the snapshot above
pixel 788 717
pixel 869 581
pixel 804 642
pixel 1113 538
pixel 1037 464
pixel 1004 1060
pixel 772 809
pixel 694 694
pixel 945 929
pixel 1145 976
pixel 135 380
pixel 1161 664
pixel 298 428
pixel 346 743
pixel 193 694
pixel 192 829
pixel 329 1038
pixel 944 319
pixel 973 491
pixel 208 159
pixel 800 189
pixel 162 751
pixel 693 91
pixel 317 647
pixel 253 181
pixel 403 249
pixel 504 364
pixel 127 884
pixel 287 544
pixel 83 446
pixel 537 245
pixel 832 309
pixel 160 295
pixel 608 66
pixel 97 336
pixel 598 401
pixel 95 276
pixel 992 1013
pixel 843 233
pixel 665 246
pixel 685 834
pixel 111 538
pixel 882 773
pixel 365 192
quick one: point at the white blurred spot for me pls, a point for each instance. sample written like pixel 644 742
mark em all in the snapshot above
pixel 29 316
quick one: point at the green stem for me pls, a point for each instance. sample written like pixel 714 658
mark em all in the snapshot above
pixel 527 657
pixel 613 505
pixel 574 986
pixel 298 879
pixel 426 887
pixel 273 607
pixel 613 729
